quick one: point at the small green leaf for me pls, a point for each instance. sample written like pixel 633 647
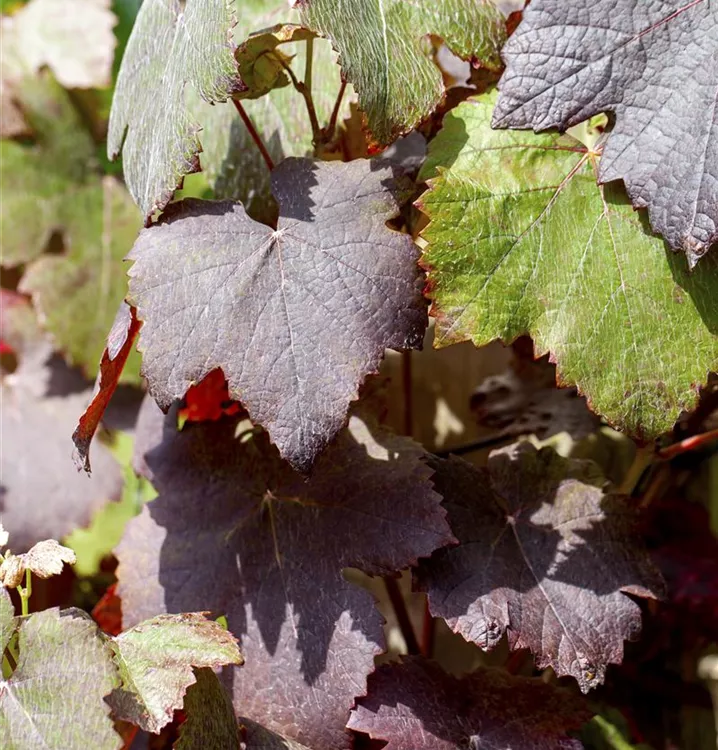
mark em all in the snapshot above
pixel 523 240
pixel 261 62
pixel 155 659
pixel 54 699
pixel 380 49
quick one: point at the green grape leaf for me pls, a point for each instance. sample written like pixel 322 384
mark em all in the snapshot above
pixel 210 718
pixel 44 176
pixel 73 38
pixel 174 48
pixel 332 279
pixel 415 705
pixel 58 190
pixel 571 60
pixel 546 554
pixel 155 660
pixel 54 699
pixel 380 51
pixel 8 621
pixel 77 293
pixel 523 240
pixel 235 530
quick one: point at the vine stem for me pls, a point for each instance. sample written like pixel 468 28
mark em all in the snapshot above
pixel 689 444
pixel 645 456
pixel 25 593
pixel 329 132
pixel 254 134
pixel 308 64
pixel 306 93
pixel 402 615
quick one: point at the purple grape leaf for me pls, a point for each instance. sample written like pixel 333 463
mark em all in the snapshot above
pixel 653 63
pixel 155 660
pixel 546 554
pixel 236 531
pixel 415 705
pixel 54 698
pixel 296 316
pixel 40 404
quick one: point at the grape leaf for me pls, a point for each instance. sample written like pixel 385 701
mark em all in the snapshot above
pixel 268 547
pixel 522 240
pixel 40 403
pixel 210 718
pixel 44 559
pixel 45 175
pixel 8 622
pixel 77 293
pixel 569 61
pixel 54 699
pixel 380 50
pixel 415 705
pixel 73 38
pixel 155 660
pixel 57 188
pixel 296 317
pixel 262 64
pixel 173 47
pixel 545 554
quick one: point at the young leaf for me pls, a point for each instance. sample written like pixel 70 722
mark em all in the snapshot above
pixel 262 62
pixel 655 64
pixel 545 554
pixel 40 403
pixel 303 312
pixel 54 699
pixel 522 240
pixel 173 47
pixel 210 718
pixel 230 160
pixel 380 50
pixel 44 559
pixel 267 547
pixel 415 705
pixel 74 39
pixel 155 660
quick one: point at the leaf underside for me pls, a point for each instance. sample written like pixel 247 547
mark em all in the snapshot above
pixel 380 50
pixel 545 555
pixel 653 63
pixel 523 240
pixel 268 549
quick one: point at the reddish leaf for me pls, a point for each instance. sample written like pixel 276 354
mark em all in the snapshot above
pixel 236 531
pixel 209 399
pixel 415 705
pixel 119 344
pixel 545 555
pixel 107 613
